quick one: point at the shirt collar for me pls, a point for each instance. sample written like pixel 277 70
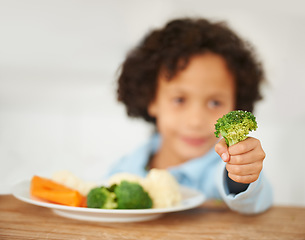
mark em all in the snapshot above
pixel 191 170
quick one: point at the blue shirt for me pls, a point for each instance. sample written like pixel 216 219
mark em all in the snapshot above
pixel 206 174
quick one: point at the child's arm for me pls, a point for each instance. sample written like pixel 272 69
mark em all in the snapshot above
pixel 244 159
pixel 244 162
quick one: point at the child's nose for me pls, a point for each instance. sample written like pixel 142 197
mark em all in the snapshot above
pixel 196 117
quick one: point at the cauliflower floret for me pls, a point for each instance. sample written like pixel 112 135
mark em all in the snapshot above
pixel 162 188
pixel 118 177
pixel 70 180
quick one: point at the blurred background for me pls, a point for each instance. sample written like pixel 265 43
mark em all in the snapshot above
pixel 58 63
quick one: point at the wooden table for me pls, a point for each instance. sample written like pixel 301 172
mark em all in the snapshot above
pixel 212 220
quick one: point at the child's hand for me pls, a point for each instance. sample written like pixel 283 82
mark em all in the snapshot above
pixel 244 159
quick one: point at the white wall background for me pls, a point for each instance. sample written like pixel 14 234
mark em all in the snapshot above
pixel 58 60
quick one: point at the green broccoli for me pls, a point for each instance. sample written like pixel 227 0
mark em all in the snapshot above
pixel 131 195
pixel 235 126
pixel 101 197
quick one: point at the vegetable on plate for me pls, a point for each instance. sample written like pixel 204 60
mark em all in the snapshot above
pixel 49 190
pixel 125 195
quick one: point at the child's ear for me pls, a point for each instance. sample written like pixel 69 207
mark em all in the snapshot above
pixel 152 109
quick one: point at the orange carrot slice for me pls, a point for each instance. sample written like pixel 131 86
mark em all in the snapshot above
pixel 49 190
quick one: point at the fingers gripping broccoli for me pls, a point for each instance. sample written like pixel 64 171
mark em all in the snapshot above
pixel 101 197
pixel 235 126
pixel 131 195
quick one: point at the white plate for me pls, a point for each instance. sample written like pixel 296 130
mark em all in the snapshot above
pixel 190 199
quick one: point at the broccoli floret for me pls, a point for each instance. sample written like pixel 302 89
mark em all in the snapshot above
pixel 101 197
pixel 131 195
pixel 126 195
pixel 235 126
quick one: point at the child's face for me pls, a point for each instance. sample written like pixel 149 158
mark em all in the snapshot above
pixel 187 106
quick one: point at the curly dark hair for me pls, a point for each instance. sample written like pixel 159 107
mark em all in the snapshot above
pixel 178 41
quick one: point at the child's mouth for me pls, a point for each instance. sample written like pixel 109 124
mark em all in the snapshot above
pixel 194 141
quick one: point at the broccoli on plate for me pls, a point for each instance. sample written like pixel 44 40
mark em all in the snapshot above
pixel 126 195
pixel 235 126
pixel 101 197
pixel 131 195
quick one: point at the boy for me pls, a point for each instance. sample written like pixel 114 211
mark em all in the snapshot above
pixel 182 78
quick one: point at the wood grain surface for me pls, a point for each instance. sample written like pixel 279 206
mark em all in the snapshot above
pixel 212 220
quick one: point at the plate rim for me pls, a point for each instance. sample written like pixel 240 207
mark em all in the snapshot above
pixel 20 188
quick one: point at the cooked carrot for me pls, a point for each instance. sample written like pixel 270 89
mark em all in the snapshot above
pixel 45 183
pixel 49 190
pixel 84 202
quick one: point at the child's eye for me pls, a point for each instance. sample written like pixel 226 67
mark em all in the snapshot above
pixel 214 103
pixel 179 100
